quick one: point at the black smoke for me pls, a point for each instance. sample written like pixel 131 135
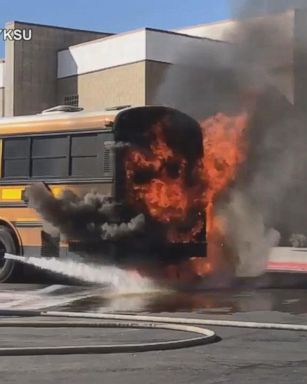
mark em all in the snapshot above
pixel 90 218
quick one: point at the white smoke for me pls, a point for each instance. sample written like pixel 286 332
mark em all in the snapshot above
pixel 298 240
pixel 114 231
pixel 247 8
pixel 247 234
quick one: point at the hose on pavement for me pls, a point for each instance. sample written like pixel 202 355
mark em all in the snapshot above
pixel 205 336
pixel 126 321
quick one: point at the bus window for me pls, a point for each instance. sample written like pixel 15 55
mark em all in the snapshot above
pixel 90 157
pixel 50 156
pixel 84 155
pixel 16 157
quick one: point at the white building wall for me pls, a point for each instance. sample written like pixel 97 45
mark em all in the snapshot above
pixel 101 54
pixel 216 31
pixel 172 47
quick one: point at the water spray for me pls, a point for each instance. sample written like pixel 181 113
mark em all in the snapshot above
pixel 117 279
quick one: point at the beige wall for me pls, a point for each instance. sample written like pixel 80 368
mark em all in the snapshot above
pixel 32 66
pixel 9 75
pixel 123 85
pixel 1 102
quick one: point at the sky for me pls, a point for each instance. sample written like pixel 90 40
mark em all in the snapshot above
pixel 113 15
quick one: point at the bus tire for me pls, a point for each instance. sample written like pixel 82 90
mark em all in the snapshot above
pixel 8 268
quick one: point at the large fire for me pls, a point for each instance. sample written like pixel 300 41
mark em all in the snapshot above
pixel 162 190
pixel 225 150
pixel 166 196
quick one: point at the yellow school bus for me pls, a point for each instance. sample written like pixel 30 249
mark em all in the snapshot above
pixel 65 148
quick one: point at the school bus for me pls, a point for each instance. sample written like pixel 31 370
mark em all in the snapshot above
pixel 66 148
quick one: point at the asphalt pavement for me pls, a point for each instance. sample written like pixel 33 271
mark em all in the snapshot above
pixel 240 356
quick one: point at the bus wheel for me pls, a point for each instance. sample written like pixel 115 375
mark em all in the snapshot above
pixel 7 245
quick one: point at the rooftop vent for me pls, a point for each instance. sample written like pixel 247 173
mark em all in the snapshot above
pixel 63 108
pixel 117 107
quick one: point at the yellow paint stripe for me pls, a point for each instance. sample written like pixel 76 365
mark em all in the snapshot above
pixel 11 194
pixel 27 219
pixel 1 151
pixel 16 193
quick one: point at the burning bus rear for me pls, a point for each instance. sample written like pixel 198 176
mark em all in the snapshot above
pixel 158 159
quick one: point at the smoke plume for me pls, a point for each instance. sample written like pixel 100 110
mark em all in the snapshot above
pixel 264 7
pixel 92 217
pixel 254 72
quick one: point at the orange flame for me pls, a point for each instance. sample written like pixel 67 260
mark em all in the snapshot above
pixel 166 197
pixel 225 149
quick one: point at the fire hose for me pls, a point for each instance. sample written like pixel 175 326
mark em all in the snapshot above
pixel 207 336
pixel 126 321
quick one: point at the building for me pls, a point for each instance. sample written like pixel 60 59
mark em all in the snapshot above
pixel 97 70
pixel 86 68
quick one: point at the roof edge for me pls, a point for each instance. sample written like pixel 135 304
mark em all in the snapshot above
pixel 57 27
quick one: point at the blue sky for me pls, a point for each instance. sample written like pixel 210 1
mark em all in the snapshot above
pixel 114 15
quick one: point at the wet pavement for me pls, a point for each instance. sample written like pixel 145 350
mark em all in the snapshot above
pixel 292 301
pixel 241 355
pixel 98 299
